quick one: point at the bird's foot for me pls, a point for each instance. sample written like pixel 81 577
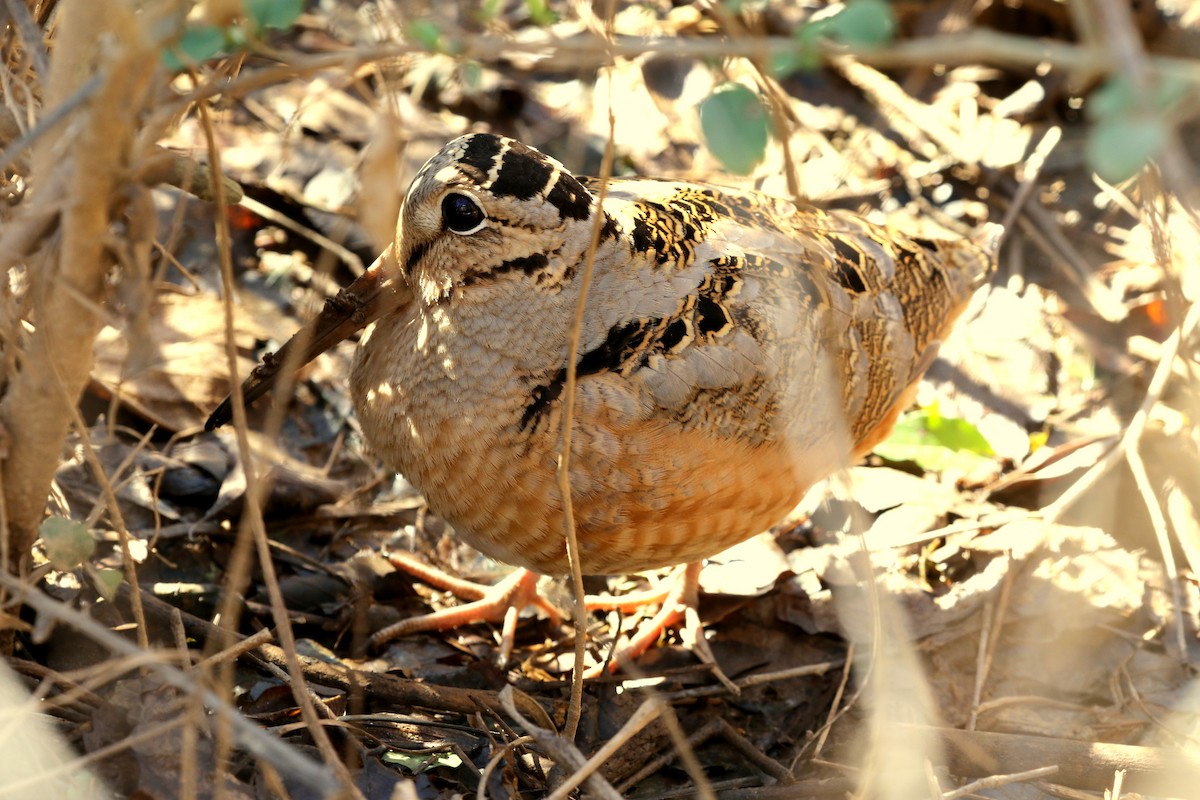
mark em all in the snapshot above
pixel 502 602
pixel 680 604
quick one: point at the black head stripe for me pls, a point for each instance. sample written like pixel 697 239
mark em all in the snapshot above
pixel 570 198
pixel 507 168
pixel 480 155
pixel 524 173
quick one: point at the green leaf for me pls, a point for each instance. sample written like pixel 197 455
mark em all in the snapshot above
pixel 807 54
pixel 860 22
pixel 67 543
pixel 864 22
pixel 934 442
pixel 278 14
pixel 1112 99
pixel 1170 91
pixel 540 12
pixel 106 581
pixel 198 43
pixel 426 33
pixel 420 763
pixel 1118 97
pixel 1118 148
pixel 735 127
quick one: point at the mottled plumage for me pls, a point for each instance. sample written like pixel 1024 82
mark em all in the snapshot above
pixel 735 349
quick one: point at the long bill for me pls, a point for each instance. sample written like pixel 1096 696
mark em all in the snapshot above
pixel 375 293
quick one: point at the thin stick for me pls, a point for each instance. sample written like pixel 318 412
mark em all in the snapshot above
pixel 646 713
pixel 579 612
pixel 251 737
pixel 981 661
pixel 1162 373
pixel 128 564
pixel 994 781
pixel 558 748
pixel 344 253
pixel 504 753
pixel 252 515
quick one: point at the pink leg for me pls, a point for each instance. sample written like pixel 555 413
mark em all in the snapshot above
pixel 684 594
pixel 503 602
pixel 499 603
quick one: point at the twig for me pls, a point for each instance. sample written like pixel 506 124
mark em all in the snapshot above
pixel 1162 535
pixel 128 563
pixel 36 411
pixel 235 651
pixel 999 613
pixel 252 515
pixel 654 765
pixel 1118 784
pixel 558 748
pixel 995 781
pixel 1083 765
pixel 248 735
pixel 757 757
pixel 282 220
pixel 555 54
pixel 835 706
pixel 646 713
pixel 686 753
pixel 52 119
pixel 578 612
pixel 1030 171
pixel 504 753
pixel 757 679
pixel 1170 349
pixel 31 36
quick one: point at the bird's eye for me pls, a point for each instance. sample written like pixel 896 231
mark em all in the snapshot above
pixel 462 213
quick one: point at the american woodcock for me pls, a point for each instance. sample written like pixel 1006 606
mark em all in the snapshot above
pixel 735 349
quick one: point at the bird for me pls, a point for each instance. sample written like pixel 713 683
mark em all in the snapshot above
pixel 734 349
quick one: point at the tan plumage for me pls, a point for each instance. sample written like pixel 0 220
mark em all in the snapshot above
pixel 735 349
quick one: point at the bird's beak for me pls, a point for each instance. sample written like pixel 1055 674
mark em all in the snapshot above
pixel 377 292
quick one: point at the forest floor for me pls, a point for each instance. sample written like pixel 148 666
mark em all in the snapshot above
pixel 1028 538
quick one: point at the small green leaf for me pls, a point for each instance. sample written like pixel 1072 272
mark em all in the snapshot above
pixel 198 43
pixel 415 763
pixel 67 543
pixel 278 14
pixel 1170 91
pixel 426 33
pixel 1118 97
pixel 1112 99
pixel 1118 148
pixel 106 581
pixel 807 54
pixel 735 127
pixel 864 22
pixel 540 13
pixel 935 442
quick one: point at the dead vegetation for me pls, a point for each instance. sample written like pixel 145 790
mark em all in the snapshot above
pixel 189 611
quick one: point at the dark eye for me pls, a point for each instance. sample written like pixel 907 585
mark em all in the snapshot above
pixel 462 213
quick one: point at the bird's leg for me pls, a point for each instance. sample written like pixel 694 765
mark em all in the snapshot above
pixel 503 602
pixel 499 603
pixel 680 604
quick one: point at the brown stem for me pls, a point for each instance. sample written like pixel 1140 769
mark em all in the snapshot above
pixel 86 159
